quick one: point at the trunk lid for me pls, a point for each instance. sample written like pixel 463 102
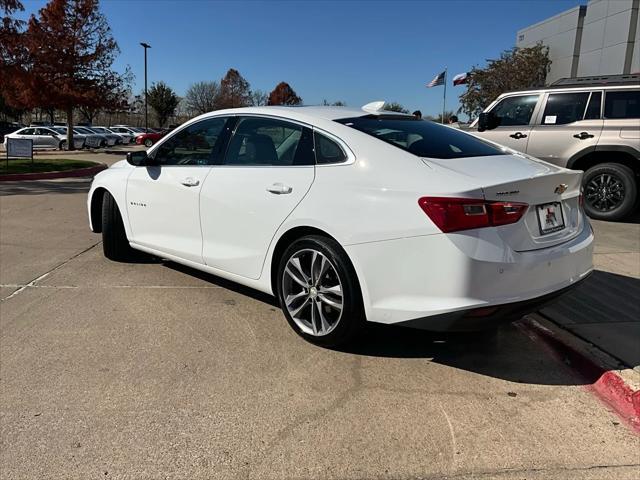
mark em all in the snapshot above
pixel 554 215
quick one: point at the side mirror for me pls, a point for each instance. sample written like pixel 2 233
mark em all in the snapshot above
pixel 488 121
pixel 139 159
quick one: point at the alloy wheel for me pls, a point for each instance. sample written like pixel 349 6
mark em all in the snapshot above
pixel 604 192
pixel 312 292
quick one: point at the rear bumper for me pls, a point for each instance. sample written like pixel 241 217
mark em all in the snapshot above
pixel 443 277
pixel 487 317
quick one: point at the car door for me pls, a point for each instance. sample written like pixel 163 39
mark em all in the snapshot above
pixel 163 199
pixel 570 123
pixel 268 169
pixel 47 138
pixel 28 133
pixel 514 114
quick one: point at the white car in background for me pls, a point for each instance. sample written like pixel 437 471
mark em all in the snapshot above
pixel 350 215
pixel 46 137
pixel 133 131
pixel 94 140
pixel 125 138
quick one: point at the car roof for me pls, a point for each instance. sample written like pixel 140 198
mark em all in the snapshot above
pixel 306 114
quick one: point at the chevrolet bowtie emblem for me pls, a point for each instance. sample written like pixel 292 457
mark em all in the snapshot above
pixel 560 189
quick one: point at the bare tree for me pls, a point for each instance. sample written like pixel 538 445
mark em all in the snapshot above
pixel 202 97
pixel 258 98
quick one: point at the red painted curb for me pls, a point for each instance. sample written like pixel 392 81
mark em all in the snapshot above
pixel 80 172
pixel 607 384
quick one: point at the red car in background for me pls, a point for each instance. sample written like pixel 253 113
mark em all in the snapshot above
pixel 149 138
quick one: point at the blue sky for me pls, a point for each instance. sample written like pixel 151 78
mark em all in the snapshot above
pixel 354 51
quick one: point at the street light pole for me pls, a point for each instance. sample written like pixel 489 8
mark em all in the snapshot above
pixel 146 111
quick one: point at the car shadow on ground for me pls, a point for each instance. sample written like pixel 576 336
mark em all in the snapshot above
pixel 505 353
pixel 605 311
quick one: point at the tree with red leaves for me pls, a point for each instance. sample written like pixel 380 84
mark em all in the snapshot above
pixel 63 60
pixel 234 90
pixel 283 94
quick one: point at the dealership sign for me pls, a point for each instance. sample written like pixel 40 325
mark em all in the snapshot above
pixel 19 147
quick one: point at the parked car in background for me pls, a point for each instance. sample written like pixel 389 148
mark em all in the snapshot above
pixel 94 140
pixel 589 123
pixel 125 138
pixel 133 131
pixel 149 138
pixel 349 215
pixel 112 138
pixel 46 137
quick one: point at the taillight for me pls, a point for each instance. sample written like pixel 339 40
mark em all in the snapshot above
pixel 455 214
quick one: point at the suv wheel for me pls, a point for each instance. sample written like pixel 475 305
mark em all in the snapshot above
pixel 318 291
pixel 610 191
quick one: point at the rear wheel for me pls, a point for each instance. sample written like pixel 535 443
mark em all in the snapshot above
pixel 610 191
pixel 115 244
pixel 318 291
pixel 148 142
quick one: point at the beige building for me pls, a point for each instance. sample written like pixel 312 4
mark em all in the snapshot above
pixel 600 38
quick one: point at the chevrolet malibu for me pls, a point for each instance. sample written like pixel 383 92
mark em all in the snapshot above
pixel 349 216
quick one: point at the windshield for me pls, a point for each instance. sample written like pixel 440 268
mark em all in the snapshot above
pixel 62 130
pixel 422 137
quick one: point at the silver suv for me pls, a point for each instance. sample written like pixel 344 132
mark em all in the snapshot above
pixel 588 123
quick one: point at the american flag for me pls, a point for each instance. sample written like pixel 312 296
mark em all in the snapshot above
pixel 438 80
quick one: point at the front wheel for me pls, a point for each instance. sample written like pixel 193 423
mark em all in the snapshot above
pixel 610 191
pixel 319 292
pixel 115 244
pixel 62 145
pixel 148 142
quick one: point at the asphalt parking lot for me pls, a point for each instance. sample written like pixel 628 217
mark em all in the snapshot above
pixel 152 370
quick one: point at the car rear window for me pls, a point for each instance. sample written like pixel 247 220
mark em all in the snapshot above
pixel 421 137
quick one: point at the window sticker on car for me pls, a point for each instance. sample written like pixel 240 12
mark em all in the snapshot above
pixel 550 119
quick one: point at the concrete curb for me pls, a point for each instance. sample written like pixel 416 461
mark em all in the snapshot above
pixel 80 172
pixel 612 382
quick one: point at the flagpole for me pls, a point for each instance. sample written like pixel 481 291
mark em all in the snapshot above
pixel 444 98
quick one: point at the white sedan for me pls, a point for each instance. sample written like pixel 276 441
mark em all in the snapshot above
pixel 350 216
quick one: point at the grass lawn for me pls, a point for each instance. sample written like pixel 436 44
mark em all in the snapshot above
pixel 24 165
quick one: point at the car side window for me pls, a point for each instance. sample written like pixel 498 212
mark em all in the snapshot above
pixel 328 151
pixel 622 104
pixel 563 108
pixel 28 131
pixel 269 142
pixel 197 144
pixel 593 109
pixel 512 111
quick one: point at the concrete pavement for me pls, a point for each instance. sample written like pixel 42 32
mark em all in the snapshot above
pixel 152 370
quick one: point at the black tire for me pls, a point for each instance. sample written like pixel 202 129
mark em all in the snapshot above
pixel 148 142
pixel 115 244
pixel 352 318
pixel 62 145
pixel 622 179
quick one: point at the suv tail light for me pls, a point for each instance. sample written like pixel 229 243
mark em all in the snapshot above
pixel 455 214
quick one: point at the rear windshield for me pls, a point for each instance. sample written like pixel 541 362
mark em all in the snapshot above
pixel 421 137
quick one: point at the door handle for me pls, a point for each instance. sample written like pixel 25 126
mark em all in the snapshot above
pixel 279 189
pixel 518 135
pixel 190 182
pixel 583 135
